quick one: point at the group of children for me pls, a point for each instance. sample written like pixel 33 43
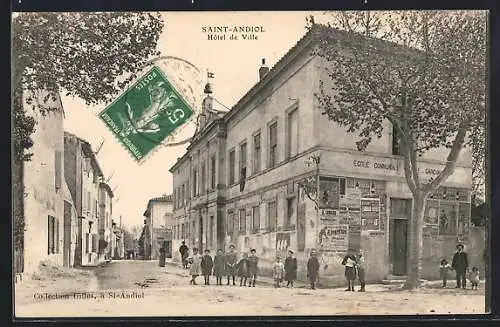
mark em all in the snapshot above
pixel 461 266
pixel 224 264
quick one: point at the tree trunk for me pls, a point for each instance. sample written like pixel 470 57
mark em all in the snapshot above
pixel 415 241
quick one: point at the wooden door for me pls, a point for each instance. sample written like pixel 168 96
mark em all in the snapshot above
pixel 400 250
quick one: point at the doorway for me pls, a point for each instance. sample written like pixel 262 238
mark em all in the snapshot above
pixel 67 235
pixel 398 247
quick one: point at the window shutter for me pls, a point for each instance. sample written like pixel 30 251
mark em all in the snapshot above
pixel 49 235
pixel 56 238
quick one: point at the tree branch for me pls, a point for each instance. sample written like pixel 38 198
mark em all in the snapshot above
pixel 451 161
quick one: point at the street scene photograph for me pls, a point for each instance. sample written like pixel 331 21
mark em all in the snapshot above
pixel 191 164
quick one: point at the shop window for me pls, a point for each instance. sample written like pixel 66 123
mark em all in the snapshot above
pixel 431 212
pixel 447 218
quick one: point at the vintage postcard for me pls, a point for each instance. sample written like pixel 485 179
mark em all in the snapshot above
pixel 181 164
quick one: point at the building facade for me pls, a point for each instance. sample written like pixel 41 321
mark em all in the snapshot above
pixel 242 181
pixel 158 217
pixel 83 176
pixel 106 245
pixel 50 216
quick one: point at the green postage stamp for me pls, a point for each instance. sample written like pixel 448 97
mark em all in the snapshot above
pixel 148 112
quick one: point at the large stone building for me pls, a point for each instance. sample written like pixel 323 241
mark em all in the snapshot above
pixel 239 181
pixel 50 216
pixel 83 176
pixel 158 217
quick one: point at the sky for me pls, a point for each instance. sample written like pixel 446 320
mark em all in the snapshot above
pixel 235 64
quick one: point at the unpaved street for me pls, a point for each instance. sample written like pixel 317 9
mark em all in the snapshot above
pixel 141 288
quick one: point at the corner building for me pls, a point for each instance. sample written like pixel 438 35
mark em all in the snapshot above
pixel 240 181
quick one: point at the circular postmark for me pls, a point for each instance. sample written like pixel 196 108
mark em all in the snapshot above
pixel 174 102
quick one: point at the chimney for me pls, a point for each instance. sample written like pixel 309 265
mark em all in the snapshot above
pixel 263 70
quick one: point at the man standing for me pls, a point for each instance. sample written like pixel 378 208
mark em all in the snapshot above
pixel 184 250
pixel 460 265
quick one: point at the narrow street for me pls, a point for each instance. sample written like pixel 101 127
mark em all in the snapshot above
pixel 142 288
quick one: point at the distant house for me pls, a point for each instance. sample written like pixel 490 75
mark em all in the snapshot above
pixel 158 215
pixel 83 175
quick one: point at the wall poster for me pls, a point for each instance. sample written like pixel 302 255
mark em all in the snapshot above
pixel 334 238
pixel 370 214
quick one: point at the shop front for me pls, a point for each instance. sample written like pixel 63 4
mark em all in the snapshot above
pixel 366 206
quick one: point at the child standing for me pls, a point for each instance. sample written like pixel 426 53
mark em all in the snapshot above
pixel 253 266
pixel 361 271
pixel 313 269
pixel 195 268
pixel 290 269
pixel 474 277
pixel 231 260
pixel 206 266
pixel 349 262
pixel 444 267
pixel 243 269
pixel 278 270
pixel 219 266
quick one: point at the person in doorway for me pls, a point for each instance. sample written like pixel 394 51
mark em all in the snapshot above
pixel 278 271
pixel 290 269
pixel 253 266
pixel 360 267
pixel 243 269
pixel 219 266
pixel 231 262
pixel 313 269
pixel 474 278
pixel 206 266
pixel 184 251
pixel 349 262
pixel 460 265
pixel 195 268
pixel 444 267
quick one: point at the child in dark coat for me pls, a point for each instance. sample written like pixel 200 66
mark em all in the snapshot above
pixel 219 266
pixel 206 266
pixel 253 267
pixel 243 270
pixel 349 262
pixel 231 260
pixel 290 269
pixel 313 269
